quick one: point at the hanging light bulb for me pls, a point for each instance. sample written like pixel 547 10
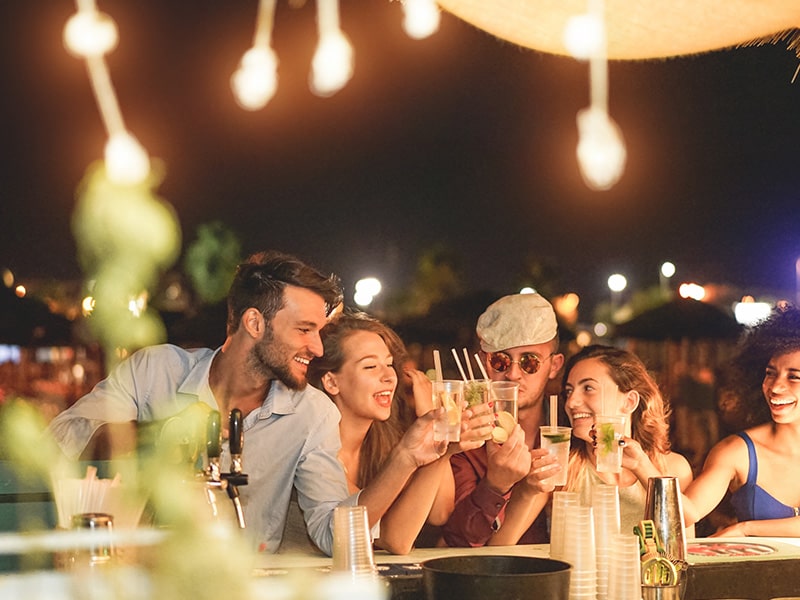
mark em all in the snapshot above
pixel 90 33
pixel 255 81
pixel 127 162
pixel 601 149
pixel 420 18
pixel 584 36
pixel 332 65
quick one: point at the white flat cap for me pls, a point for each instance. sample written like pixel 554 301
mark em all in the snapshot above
pixel 516 320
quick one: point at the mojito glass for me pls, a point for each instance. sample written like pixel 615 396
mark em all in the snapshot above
pixel 476 392
pixel 504 394
pixel 555 440
pixel 609 429
pixel 450 395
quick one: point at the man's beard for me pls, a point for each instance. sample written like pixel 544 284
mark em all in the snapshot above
pixel 271 359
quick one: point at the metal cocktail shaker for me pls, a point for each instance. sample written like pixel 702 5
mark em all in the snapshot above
pixel 664 508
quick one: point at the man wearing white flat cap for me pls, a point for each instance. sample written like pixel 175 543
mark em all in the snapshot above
pixel 519 342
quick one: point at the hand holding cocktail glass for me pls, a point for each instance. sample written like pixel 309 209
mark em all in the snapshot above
pixel 609 431
pixel 555 440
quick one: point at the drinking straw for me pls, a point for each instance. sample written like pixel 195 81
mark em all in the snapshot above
pixel 553 410
pixel 480 366
pixel 437 364
pixel 469 365
pixel 458 364
pixel 603 400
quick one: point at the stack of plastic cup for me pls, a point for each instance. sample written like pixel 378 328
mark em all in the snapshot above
pixel 605 502
pixel 557 520
pixel 580 552
pixel 625 568
pixel 352 543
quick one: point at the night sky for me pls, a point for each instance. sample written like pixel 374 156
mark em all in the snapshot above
pixel 460 139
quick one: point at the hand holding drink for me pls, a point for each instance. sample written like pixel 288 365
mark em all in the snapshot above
pixel 556 440
pixel 504 395
pixel 448 394
pixel 609 430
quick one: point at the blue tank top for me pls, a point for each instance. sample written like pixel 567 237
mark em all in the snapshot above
pixel 751 502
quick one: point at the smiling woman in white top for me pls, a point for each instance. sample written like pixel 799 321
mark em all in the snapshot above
pixel 359 370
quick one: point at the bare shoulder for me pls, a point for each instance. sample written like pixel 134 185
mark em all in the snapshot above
pixel 678 466
pixel 731 449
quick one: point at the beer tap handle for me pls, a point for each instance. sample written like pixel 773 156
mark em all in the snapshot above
pixel 236 438
pixel 213 444
pixel 236 445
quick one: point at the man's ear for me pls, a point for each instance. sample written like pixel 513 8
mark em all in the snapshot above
pixel 556 364
pixel 253 322
pixel 329 384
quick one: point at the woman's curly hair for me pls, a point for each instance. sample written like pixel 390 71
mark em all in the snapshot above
pixel 774 336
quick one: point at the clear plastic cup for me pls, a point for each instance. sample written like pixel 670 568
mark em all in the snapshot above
pixel 555 440
pixel 476 391
pixel 352 543
pixel 609 429
pixel 561 500
pixel 624 572
pixel 450 395
pixel 505 395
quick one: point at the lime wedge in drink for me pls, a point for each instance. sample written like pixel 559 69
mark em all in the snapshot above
pixel 506 420
pixel 556 438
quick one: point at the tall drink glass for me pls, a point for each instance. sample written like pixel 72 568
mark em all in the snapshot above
pixel 505 395
pixel 555 440
pixel 476 392
pixel 609 429
pixel 450 395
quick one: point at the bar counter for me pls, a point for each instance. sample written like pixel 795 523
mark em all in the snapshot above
pixel 719 568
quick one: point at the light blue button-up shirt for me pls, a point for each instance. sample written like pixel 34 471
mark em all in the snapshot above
pixel 291 441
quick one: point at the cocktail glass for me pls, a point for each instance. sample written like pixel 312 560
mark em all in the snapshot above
pixel 609 430
pixel 450 395
pixel 476 392
pixel 504 395
pixel 555 440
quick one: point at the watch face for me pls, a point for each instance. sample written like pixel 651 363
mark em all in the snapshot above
pixel 728 549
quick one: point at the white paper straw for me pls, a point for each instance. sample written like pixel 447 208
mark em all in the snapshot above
pixel 458 364
pixel 480 366
pixel 469 365
pixel 437 365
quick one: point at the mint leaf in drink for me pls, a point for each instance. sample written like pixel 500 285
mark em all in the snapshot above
pixel 607 437
pixel 556 438
pixel 474 393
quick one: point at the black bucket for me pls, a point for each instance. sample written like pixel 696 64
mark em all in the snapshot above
pixel 506 577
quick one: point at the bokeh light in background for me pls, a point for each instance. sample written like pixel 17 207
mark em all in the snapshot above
pixel 366 290
pixel 749 312
pixel 692 290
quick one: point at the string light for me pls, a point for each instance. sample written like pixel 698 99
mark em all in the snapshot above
pixel 420 18
pixel 127 162
pixel 91 34
pixel 601 148
pixel 332 65
pixel 584 36
pixel 256 80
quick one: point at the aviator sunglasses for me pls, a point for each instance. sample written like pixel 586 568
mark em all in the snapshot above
pixel 529 362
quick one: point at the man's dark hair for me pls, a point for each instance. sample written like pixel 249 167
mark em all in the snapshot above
pixel 260 280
